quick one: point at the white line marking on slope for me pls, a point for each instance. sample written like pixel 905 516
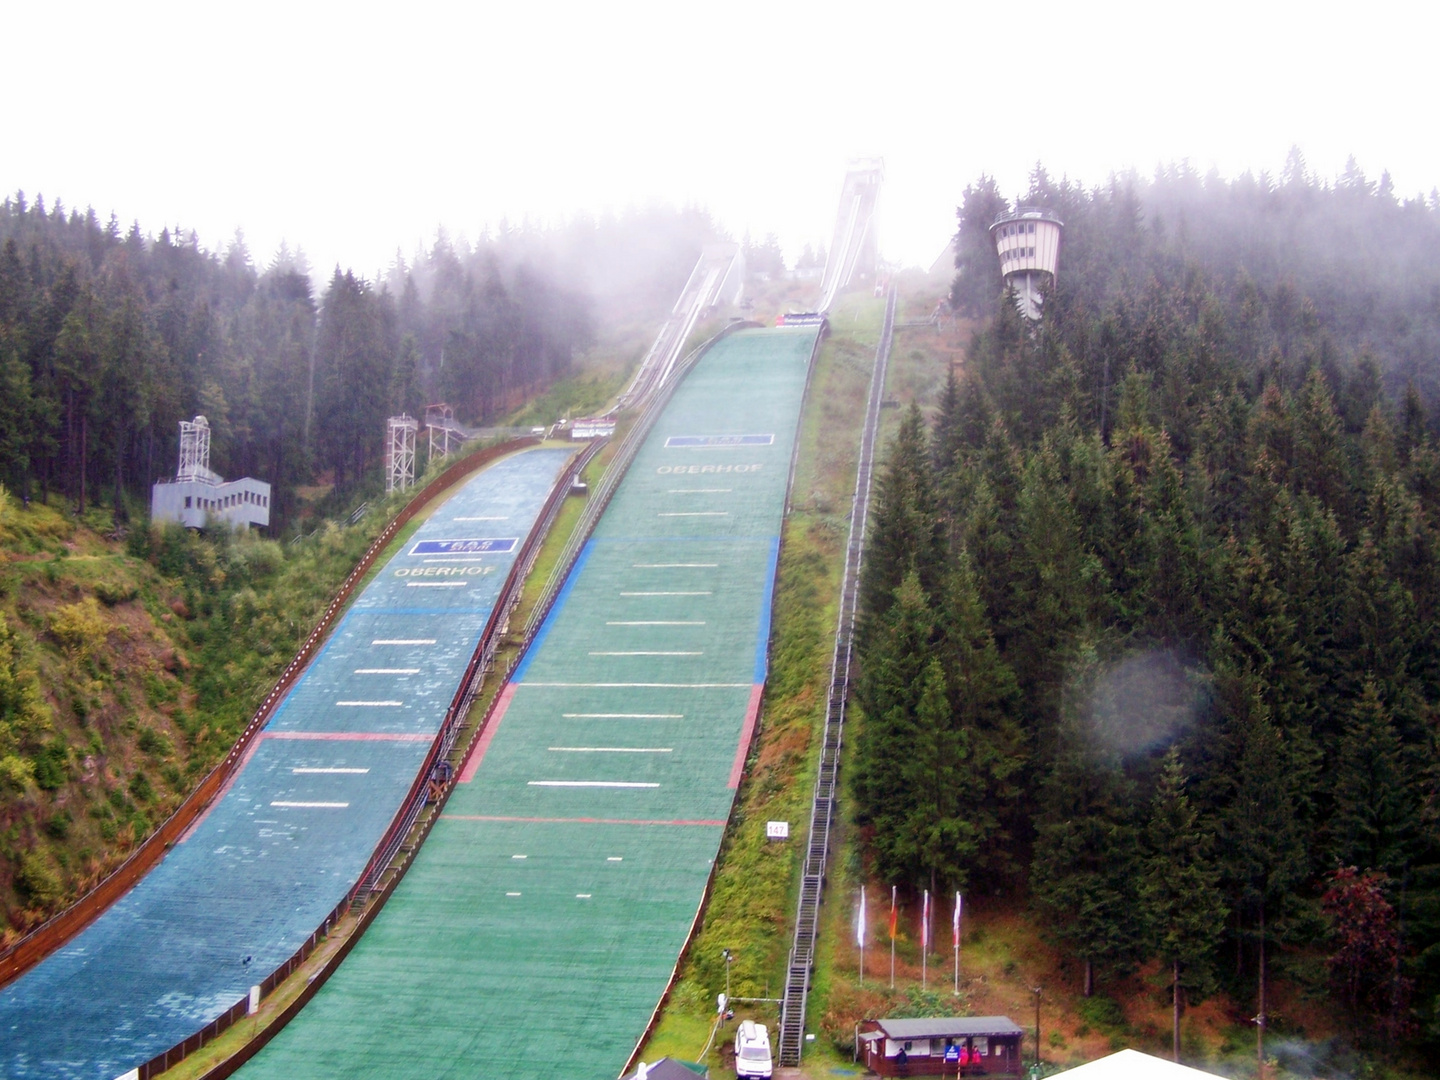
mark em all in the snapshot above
pixel 643 652
pixel 652 685
pixel 623 715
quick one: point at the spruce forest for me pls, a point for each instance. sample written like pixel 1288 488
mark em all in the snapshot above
pixel 1151 609
pixel 109 337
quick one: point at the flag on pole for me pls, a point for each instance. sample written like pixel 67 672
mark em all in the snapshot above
pixel 925 923
pixel 892 912
pixel 860 920
pixel 955 923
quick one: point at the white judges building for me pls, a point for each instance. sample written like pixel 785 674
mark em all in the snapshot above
pixel 197 495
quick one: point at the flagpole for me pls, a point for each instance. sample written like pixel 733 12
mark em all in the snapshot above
pixel 892 937
pixel 925 942
pixel 862 935
pixel 957 942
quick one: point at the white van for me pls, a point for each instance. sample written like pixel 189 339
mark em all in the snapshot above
pixel 752 1051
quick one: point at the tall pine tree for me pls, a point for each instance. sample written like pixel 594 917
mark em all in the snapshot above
pixel 1179 891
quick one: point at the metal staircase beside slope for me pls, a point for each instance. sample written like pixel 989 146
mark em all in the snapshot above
pixel 822 811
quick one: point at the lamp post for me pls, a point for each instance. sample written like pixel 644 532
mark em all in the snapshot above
pixel 1036 991
pixel 729 959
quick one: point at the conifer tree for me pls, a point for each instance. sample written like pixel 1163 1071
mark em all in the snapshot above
pixel 1178 887
pixel 906 535
pixel 1263 855
pixel 1054 590
pixel 1087 857
pixel 977 265
pixel 948 436
pixel 1414 425
pixel 353 360
pixel 1375 813
pixel 889 691
pixel 982 708
pixel 936 843
pixel 404 396
pixel 1319 463
pixel 15 418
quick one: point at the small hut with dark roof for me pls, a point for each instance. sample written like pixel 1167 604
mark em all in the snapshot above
pixel 943 1046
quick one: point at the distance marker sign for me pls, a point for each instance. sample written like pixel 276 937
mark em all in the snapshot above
pixel 479 546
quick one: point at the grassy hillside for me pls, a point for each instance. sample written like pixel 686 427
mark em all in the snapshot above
pixel 128 666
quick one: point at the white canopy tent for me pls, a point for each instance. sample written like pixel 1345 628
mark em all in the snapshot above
pixel 1133 1065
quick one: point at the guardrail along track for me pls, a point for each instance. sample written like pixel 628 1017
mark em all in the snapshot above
pixel 822 809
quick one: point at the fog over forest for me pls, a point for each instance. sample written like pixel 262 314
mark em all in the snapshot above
pixel 1346 266
pixel 109 337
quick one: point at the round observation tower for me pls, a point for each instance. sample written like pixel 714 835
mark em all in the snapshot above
pixel 1028 243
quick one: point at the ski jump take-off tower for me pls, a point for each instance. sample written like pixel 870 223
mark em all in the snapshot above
pixel 1028 242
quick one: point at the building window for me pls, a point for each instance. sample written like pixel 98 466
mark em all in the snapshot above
pixel 187 501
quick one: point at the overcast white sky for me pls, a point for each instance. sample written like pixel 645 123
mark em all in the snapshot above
pixel 353 130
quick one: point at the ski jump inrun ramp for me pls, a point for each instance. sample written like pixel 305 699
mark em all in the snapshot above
pixel 540 924
pixel 289 837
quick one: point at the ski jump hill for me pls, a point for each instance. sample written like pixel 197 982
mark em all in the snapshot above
pixel 540 924
pixel 301 815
